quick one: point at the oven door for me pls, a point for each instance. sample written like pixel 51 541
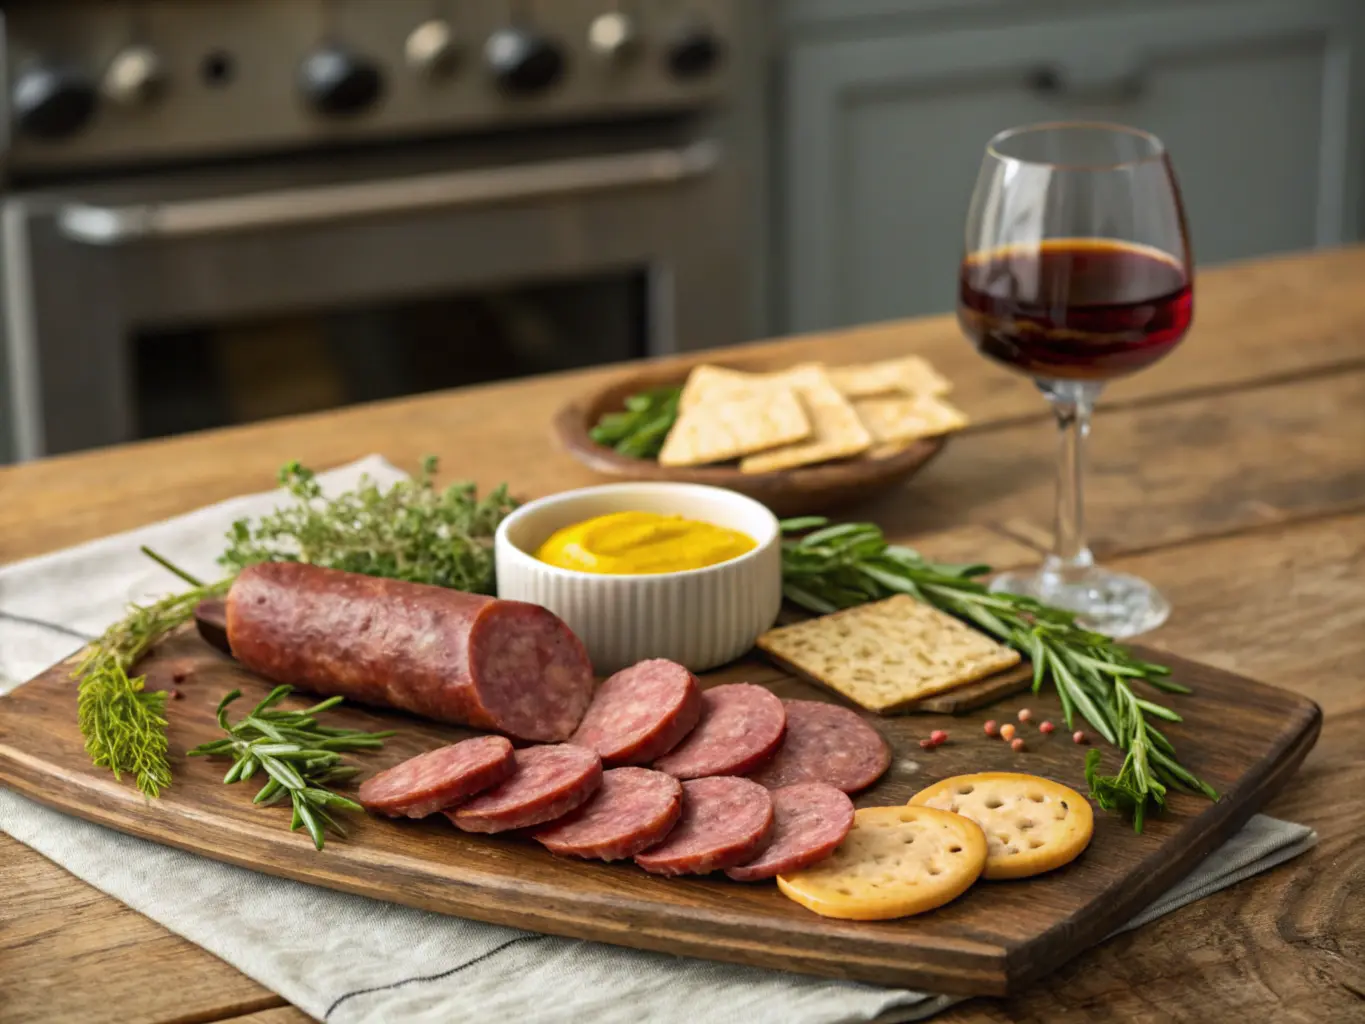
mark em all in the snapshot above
pixel 152 306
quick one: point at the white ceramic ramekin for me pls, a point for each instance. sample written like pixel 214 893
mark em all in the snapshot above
pixel 699 618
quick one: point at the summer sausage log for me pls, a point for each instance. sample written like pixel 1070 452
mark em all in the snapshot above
pixel 472 660
pixel 641 713
pixel 740 729
pixel 634 809
pixel 439 778
pixel 829 744
pixel 725 821
pixel 809 820
pixel 548 783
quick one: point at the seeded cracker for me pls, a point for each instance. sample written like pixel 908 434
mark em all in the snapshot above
pixel 727 427
pixel 900 419
pixel 908 376
pixel 706 382
pixel 897 861
pixel 836 430
pixel 887 654
pixel 1032 824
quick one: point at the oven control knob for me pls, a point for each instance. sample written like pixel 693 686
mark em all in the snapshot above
pixel 612 36
pixel 338 82
pixel 694 51
pixel 523 61
pixel 430 48
pixel 134 76
pixel 52 102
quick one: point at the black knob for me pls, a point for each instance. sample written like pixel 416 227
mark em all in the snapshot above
pixel 523 61
pixel 52 102
pixel 694 51
pixel 338 82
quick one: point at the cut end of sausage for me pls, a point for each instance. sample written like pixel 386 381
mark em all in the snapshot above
pixel 548 783
pixel 533 674
pixel 809 821
pixel 634 809
pixel 725 821
pixel 439 778
pixel 641 713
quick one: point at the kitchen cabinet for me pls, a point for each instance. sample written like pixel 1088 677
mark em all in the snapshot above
pixel 885 109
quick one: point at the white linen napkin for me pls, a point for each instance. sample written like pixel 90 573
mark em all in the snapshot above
pixel 347 959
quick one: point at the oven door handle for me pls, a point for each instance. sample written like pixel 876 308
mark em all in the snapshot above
pixel 120 225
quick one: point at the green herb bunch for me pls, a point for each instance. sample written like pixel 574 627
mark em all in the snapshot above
pixel 639 431
pixel 411 532
pixel 123 724
pixel 834 567
pixel 300 758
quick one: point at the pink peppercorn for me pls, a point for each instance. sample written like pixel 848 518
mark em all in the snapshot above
pixel 1045 727
pixel 1025 714
pixel 1078 736
pixel 992 729
pixel 938 736
pixel 1007 730
pixel 1017 744
pixel 927 744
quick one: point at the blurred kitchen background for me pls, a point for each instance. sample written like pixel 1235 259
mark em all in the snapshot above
pixel 218 211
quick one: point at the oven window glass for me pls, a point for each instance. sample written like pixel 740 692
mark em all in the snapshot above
pixel 193 378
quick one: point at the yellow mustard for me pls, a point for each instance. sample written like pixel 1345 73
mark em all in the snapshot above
pixel 639 543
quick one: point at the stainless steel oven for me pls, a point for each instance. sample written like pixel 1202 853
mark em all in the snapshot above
pixel 223 210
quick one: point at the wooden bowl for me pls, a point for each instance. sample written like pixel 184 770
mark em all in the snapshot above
pixel 807 490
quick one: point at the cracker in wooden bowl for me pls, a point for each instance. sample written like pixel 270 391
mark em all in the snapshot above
pixel 836 433
pixel 738 423
pixel 899 419
pixel 887 654
pixel 910 375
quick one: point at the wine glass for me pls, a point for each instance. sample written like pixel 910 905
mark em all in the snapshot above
pixel 1077 270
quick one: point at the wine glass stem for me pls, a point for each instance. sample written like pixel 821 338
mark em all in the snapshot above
pixel 1072 402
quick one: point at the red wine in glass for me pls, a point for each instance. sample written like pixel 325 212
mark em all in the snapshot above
pixel 1075 308
pixel 1076 270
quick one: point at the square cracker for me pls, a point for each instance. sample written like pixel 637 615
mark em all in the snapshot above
pixel 887 654
pixel 708 381
pixel 910 375
pixel 836 432
pixel 728 427
pixel 898 419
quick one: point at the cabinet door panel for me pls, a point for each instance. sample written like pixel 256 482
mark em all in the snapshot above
pixel 883 137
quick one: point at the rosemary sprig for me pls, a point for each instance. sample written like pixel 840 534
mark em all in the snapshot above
pixel 124 725
pixel 299 757
pixel 841 566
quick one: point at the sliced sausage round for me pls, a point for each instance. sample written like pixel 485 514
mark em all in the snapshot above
pixel 829 744
pixel 741 727
pixel 439 778
pixel 725 821
pixel 641 713
pixel 506 666
pixel 634 809
pixel 548 783
pixel 809 820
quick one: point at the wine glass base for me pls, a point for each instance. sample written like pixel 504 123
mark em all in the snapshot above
pixel 1113 603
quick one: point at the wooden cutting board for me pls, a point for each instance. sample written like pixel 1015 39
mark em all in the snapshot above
pixel 1243 737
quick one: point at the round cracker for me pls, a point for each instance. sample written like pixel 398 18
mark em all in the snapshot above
pixel 897 861
pixel 1032 824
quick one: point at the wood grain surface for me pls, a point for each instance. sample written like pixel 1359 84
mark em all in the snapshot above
pixel 994 939
pixel 1268 581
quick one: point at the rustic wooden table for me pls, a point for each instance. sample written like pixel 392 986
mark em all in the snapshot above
pixel 1232 475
